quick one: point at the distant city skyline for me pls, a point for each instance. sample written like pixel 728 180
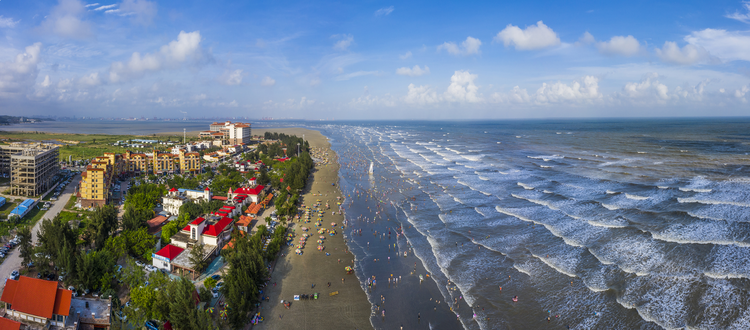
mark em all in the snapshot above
pixel 375 60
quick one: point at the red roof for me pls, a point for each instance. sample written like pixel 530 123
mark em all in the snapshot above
pixel 215 230
pixel 6 324
pixel 228 207
pixel 249 191
pixel 173 189
pixel 206 188
pixel 197 221
pixel 170 251
pixel 37 297
pixel 219 198
pixel 221 213
pixel 187 228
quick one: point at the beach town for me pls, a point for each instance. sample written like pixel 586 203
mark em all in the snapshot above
pixel 158 226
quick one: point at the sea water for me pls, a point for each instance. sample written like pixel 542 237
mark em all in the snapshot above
pixel 616 224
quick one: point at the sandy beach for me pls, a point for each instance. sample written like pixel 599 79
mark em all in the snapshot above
pixel 295 274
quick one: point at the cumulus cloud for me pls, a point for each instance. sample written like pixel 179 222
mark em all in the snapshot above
pixel 582 91
pixel 619 45
pixel 744 18
pixel 231 78
pixel 405 56
pixel 533 37
pixel 414 72
pixel 585 39
pixel 89 80
pixel 8 22
pixel 268 81
pixel 649 87
pixel 384 11
pixel 468 47
pixel 726 45
pixel 689 54
pixel 461 89
pixel 185 48
pixel 66 21
pixel 142 11
pixel 344 41
pixel 18 75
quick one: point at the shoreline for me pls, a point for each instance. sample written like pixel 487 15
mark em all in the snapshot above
pixel 295 274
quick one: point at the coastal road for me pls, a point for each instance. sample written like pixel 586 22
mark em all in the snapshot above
pixel 13 260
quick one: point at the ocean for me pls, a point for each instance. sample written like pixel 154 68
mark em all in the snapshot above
pixel 591 224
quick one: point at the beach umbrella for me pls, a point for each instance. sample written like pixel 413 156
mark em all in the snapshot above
pixel 320 241
pixel 321 237
pixel 210 310
pixel 320 248
pixel 223 313
pixel 348 269
pixel 333 224
pixel 304 228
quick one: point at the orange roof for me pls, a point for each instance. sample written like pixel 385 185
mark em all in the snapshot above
pixel 62 305
pixel 6 324
pixel 244 221
pixel 37 297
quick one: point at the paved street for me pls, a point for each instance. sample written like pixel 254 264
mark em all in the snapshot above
pixel 13 260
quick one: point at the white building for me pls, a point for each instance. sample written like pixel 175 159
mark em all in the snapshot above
pixel 176 197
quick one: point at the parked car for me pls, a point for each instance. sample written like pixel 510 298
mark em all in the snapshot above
pixel 151 325
pixel 139 263
pixel 216 277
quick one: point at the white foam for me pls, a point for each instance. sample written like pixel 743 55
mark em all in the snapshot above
pixel 696 190
pixel 610 207
pixel 636 197
pixel 525 186
pixel 610 192
pixel 710 202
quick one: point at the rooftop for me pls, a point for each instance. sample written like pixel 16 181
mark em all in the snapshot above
pixel 170 251
pixel 37 297
pixel 97 311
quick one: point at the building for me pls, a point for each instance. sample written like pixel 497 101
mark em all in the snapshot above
pixel 176 197
pixel 229 133
pixel 7 324
pixel 254 194
pixel 22 209
pixel 2 201
pixel 163 259
pixel 213 231
pixel 31 167
pixel 35 301
pixel 103 170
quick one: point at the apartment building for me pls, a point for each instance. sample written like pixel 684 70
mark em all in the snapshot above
pixel 31 167
pixel 229 133
pixel 103 170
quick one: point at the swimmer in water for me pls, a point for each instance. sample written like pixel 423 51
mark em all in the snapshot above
pixel 515 298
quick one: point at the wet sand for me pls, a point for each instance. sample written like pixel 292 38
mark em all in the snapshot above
pixel 295 274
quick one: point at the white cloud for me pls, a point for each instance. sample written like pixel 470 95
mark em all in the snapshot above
pixel 726 45
pixel 384 11
pixel 356 74
pixel 142 11
pixel 649 87
pixel 421 95
pixel 468 47
pixel 185 48
pixel 462 88
pixel 345 40
pixel 405 56
pixel 744 18
pixel 105 7
pixel 65 20
pixel 232 78
pixel 315 82
pixel 268 81
pixel 90 80
pixel 559 92
pixel 533 37
pixel 8 22
pixel 689 54
pixel 619 45
pixel 17 76
pixel 92 5
pixel 414 72
pixel 585 39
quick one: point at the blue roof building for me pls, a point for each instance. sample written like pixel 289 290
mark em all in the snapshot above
pixel 22 209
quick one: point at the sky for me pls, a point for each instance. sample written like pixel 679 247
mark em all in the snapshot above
pixel 375 59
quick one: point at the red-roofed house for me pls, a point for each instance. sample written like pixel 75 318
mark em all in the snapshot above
pixel 251 193
pixel 213 232
pixel 163 259
pixel 37 301
pixel 6 324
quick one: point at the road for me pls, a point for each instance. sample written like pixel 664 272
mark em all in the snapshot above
pixel 13 260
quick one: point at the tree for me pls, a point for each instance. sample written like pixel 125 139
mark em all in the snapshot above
pixel 103 223
pixel 197 254
pixel 134 219
pixel 27 250
pixel 94 268
pixel 140 243
pixel 209 283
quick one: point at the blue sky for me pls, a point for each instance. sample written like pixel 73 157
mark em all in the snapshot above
pixel 375 59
